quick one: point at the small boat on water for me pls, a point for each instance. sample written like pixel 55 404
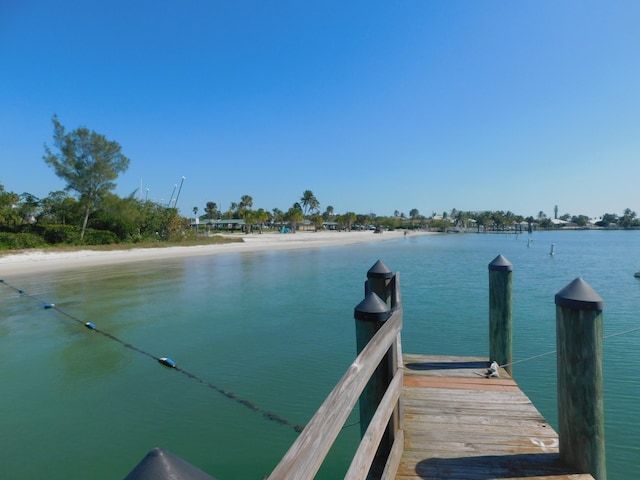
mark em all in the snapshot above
pixel 637 274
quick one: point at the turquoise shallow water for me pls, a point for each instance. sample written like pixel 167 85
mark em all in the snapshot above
pixel 276 329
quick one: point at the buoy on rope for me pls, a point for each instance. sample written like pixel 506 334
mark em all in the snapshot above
pixel 49 305
pixel 90 325
pixel 167 362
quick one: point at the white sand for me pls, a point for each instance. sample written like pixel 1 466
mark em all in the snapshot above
pixel 39 260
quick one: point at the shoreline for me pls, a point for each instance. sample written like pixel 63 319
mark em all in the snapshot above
pixel 39 260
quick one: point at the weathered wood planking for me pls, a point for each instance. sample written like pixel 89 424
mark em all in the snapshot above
pixel 459 425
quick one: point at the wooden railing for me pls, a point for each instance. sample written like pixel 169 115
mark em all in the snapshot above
pixel 306 455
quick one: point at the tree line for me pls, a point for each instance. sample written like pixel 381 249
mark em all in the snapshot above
pixel 87 212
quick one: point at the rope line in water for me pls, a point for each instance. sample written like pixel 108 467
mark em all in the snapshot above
pixel 551 352
pixel 230 395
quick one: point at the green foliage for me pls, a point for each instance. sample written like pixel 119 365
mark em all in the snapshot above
pixel 294 216
pixel 61 234
pixel 309 202
pixel 60 208
pixel 212 211
pixel 99 237
pixel 122 216
pixel 316 220
pixel 19 241
pixel 8 214
pixel 88 162
pixel 580 220
pixel 628 219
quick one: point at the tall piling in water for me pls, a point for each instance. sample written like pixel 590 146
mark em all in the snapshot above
pixel 501 312
pixel 580 396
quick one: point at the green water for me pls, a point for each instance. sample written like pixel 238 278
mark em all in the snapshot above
pixel 276 329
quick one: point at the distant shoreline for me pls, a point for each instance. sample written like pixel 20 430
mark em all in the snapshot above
pixel 36 261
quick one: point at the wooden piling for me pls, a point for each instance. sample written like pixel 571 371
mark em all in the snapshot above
pixel 580 396
pixel 501 312
pixel 379 281
pixel 370 315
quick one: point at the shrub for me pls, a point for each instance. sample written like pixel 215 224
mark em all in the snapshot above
pixel 19 241
pixel 57 234
pixel 100 237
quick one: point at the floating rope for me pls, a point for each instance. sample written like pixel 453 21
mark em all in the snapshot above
pixel 165 361
pixel 551 352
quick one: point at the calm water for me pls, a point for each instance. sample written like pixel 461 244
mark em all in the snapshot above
pixel 277 329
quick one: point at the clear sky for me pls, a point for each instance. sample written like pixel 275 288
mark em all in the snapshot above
pixel 375 106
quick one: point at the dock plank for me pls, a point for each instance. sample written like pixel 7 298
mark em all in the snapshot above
pixel 460 425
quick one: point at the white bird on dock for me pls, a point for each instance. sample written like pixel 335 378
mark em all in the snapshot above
pixel 492 371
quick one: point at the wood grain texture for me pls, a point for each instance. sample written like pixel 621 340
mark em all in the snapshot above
pixel 460 425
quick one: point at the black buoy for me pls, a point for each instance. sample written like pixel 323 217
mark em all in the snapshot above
pixel 49 305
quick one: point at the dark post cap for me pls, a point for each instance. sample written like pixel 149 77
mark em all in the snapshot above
pixel 159 464
pixel 500 264
pixel 578 295
pixel 379 270
pixel 372 308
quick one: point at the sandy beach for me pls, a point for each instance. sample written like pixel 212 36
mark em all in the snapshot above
pixel 40 260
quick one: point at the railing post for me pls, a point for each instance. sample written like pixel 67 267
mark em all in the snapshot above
pixel 369 315
pixel 501 312
pixel 580 397
pixel 379 281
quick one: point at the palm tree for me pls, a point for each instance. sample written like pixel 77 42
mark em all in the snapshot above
pixel 460 219
pixel 348 219
pixel 250 217
pixel 309 202
pixel 246 202
pixel 211 210
pixel 294 216
pixel 244 210
pixel 261 216
pixel 231 212
pixel 277 216
pixel 328 213
pixel 317 221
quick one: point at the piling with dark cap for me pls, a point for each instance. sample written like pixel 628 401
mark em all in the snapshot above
pixel 379 280
pixel 501 312
pixel 580 396
pixel 159 464
pixel 370 315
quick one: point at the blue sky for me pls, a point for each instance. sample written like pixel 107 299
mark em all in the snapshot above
pixel 375 106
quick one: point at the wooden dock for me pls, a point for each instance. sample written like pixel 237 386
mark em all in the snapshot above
pixel 426 417
pixel 460 425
